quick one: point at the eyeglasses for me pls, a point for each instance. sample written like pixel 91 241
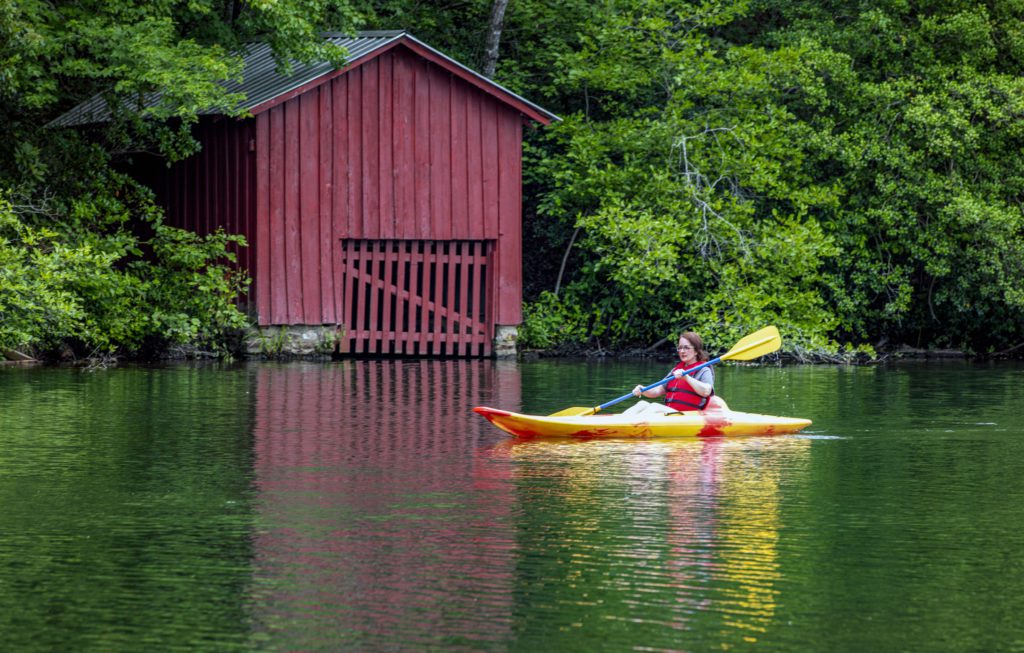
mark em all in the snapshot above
pixel 684 347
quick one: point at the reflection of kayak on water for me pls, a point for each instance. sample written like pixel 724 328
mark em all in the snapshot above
pixel 688 424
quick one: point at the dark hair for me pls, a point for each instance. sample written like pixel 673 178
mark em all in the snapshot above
pixel 698 344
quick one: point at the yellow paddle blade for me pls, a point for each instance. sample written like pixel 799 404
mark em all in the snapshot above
pixel 574 411
pixel 755 345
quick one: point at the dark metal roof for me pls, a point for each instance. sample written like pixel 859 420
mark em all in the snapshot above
pixel 262 83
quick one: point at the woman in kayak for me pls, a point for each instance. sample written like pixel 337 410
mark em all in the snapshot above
pixel 685 392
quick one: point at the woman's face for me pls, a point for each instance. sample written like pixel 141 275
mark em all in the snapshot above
pixel 687 354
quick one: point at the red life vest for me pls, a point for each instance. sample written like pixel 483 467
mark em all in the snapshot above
pixel 679 393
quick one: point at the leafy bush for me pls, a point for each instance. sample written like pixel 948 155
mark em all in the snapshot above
pixel 94 287
pixel 549 323
pixel 36 309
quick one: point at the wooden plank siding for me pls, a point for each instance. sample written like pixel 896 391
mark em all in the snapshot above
pixel 417 154
pixel 215 188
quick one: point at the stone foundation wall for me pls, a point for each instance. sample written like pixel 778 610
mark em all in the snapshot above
pixel 505 338
pixel 294 340
pixel 323 340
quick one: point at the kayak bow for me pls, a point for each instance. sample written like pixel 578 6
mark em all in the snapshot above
pixel 688 424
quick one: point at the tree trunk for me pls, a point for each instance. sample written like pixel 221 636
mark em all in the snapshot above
pixel 565 257
pixel 494 37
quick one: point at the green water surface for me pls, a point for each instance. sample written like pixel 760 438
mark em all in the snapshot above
pixel 362 506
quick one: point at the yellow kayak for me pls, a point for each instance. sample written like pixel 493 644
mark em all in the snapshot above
pixel 688 424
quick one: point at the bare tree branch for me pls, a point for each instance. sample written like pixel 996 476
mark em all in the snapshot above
pixel 698 185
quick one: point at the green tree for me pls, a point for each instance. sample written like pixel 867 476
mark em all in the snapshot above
pixel 684 172
pixel 91 290
pixel 923 131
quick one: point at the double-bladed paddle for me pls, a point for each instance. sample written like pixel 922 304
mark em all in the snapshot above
pixel 755 345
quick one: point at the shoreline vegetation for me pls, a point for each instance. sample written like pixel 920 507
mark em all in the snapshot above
pixel 782 357
pixel 657 352
pixel 904 353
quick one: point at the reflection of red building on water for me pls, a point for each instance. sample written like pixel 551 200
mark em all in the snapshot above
pixel 375 504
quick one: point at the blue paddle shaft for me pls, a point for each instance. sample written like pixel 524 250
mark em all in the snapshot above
pixel 662 382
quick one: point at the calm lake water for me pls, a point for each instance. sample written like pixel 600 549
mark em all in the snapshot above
pixel 362 506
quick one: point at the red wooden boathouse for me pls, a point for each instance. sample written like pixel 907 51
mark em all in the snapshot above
pixel 381 201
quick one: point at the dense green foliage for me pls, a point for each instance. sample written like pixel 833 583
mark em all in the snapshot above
pixel 849 172
pixel 693 208
pixel 922 129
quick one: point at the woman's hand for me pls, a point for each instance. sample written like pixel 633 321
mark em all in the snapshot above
pixel 638 391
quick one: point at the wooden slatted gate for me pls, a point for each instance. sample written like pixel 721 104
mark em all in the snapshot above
pixel 417 297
